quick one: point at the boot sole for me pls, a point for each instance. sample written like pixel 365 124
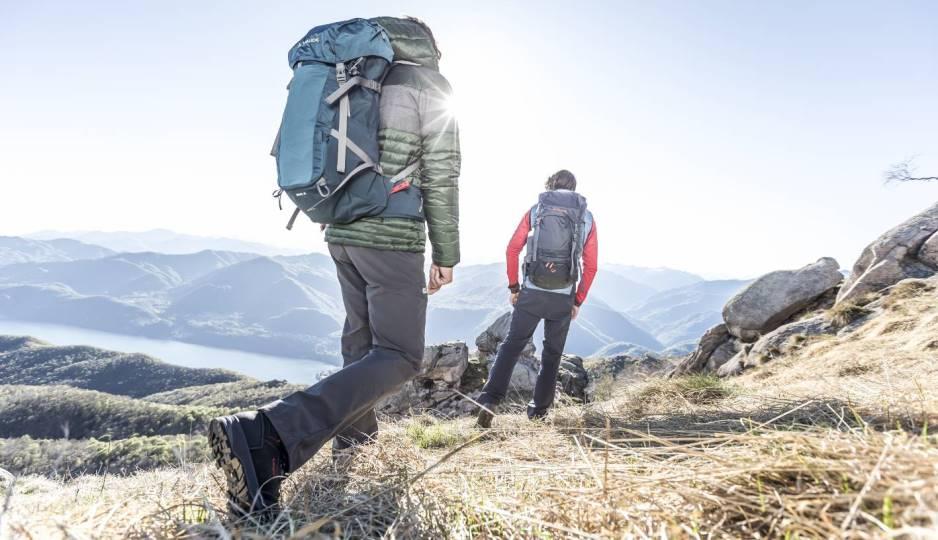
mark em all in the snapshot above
pixel 233 456
pixel 484 419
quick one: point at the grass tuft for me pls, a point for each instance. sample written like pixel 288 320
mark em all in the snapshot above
pixel 844 313
pixel 905 290
pixel 428 432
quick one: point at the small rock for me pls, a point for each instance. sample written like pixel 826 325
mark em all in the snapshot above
pixel 699 361
pixel 572 377
pixel 446 362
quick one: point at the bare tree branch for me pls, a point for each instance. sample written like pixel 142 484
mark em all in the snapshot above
pixel 904 171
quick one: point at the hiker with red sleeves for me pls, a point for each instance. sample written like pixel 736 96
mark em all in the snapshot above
pixel 557 234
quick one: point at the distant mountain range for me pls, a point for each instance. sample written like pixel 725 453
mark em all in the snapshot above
pixel 162 241
pixel 289 305
pixel 14 249
pixel 678 317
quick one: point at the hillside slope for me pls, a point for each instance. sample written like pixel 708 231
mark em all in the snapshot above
pixel 52 412
pixel 29 361
pixel 833 437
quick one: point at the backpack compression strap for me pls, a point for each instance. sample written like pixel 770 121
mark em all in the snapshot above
pixel 341 95
pixel 396 180
pixel 401 176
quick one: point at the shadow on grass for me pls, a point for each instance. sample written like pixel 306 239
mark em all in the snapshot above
pixel 776 415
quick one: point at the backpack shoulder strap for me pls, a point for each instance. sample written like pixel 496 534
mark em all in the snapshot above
pixel 587 228
pixel 537 230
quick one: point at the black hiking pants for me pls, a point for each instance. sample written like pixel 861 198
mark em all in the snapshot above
pixel 385 299
pixel 532 307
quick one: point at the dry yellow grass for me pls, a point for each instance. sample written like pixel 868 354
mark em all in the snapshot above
pixel 833 441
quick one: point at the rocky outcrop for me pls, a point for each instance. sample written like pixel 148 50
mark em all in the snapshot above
pixel 773 298
pixel 909 250
pixel 446 362
pixel 757 312
pixel 715 347
pixel 437 384
pixel 778 342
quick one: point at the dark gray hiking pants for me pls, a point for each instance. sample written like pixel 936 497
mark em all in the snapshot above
pixel 382 348
pixel 532 307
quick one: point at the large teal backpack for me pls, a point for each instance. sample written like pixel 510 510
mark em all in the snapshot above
pixel 327 146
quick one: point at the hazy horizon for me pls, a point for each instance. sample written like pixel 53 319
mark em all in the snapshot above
pixel 726 139
pixel 51 234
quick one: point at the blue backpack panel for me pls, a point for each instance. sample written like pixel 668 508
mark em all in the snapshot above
pixel 327 146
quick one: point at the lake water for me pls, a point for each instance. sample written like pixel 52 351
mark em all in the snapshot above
pixel 259 366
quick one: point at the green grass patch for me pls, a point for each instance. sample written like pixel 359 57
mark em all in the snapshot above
pixel 428 432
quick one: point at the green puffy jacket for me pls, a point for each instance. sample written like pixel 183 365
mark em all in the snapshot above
pixel 415 124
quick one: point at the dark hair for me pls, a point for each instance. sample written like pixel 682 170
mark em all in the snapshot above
pixel 562 179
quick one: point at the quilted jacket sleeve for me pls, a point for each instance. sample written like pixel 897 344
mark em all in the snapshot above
pixel 439 178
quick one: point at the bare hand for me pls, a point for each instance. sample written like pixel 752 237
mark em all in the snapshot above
pixel 439 276
pixel 574 313
pixel 514 298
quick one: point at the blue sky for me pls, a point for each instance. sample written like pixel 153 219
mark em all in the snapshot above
pixel 728 138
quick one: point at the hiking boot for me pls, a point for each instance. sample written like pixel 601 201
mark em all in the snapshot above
pixel 484 420
pixel 248 450
pixel 536 415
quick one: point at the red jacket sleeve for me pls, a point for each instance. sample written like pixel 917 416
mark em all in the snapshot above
pixel 590 263
pixel 515 246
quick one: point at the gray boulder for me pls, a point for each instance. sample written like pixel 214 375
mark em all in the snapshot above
pixel 722 354
pixel 525 373
pixel 772 299
pixel 909 250
pixel 572 377
pixel 715 341
pixel 523 377
pixel 489 340
pixel 446 362
pixel 776 343
pixel 436 386
pixel 929 252
pixel 620 368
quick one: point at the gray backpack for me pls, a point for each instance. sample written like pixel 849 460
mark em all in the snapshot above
pixel 554 249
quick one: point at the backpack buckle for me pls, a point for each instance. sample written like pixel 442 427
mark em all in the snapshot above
pixel 340 73
pixel 322 188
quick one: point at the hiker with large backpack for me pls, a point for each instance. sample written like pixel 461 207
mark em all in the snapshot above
pixel 368 149
pixel 558 233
